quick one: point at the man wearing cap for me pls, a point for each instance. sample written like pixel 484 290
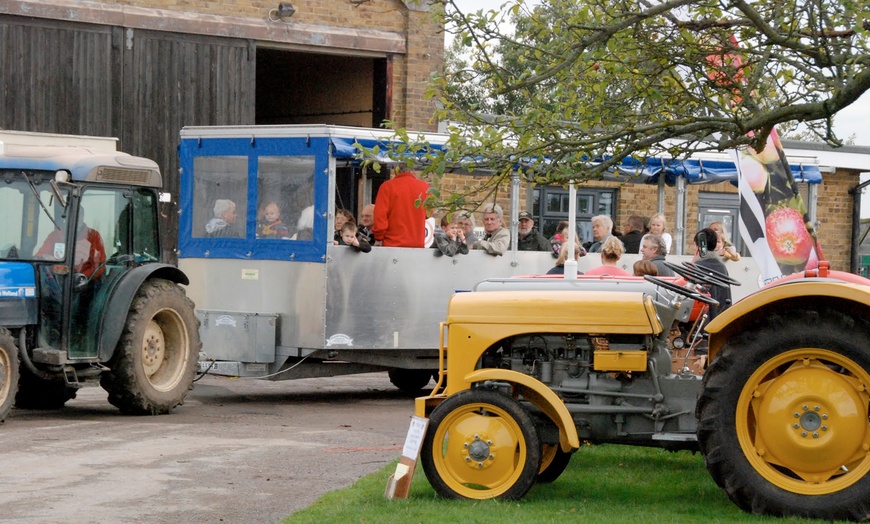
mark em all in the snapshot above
pixel 529 239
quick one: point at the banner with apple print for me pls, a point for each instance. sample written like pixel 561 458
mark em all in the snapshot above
pixel 773 221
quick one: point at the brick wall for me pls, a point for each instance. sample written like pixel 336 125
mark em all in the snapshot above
pixel 834 214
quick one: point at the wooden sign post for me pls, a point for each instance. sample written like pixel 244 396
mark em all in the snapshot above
pixel 399 484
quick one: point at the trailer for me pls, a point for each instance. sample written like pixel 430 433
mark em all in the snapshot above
pixel 268 304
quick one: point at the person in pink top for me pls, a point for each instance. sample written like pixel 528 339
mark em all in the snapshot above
pixel 400 215
pixel 611 252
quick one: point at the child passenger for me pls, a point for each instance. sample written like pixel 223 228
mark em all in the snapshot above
pixel 271 225
pixel 349 237
pixel 451 240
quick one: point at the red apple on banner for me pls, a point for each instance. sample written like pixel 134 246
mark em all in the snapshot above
pixel 755 173
pixel 787 236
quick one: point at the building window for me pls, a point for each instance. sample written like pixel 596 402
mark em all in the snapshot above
pixel 550 206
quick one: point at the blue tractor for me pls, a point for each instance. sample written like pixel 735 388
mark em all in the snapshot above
pixel 84 296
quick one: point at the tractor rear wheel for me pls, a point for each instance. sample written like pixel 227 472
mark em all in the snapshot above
pixel 553 462
pixel 8 373
pixel 783 417
pixel 154 364
pixel 481 444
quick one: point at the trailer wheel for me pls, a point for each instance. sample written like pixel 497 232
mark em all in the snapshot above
pixel 480 445
pixel 553 462
pixel 783 417
pixel 153 367
pixel 410 380
pixel 38 393
pixel 8 373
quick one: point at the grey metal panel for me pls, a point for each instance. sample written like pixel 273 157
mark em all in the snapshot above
pixel 247 337
pixel 295 291
pixel 391 298
pixel 394 298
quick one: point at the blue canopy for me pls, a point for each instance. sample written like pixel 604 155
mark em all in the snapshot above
pixel 647 170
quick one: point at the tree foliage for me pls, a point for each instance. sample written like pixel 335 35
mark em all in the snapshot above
pixel 574 80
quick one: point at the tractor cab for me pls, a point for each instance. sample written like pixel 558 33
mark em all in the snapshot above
pixel 74 223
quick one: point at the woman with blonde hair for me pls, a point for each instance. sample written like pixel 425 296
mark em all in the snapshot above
pixel 658 225
pixel 559 268
pixel 611 251
pixel 724 248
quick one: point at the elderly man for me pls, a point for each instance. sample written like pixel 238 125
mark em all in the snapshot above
pixel 529 239
pixel 653 248
pixel 367 222
pixel 602 227
pixel 223 223
pixel 496 239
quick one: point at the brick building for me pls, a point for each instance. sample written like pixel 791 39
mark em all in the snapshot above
pixel 143 69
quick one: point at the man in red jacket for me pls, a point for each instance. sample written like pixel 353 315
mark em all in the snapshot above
pixel 400 217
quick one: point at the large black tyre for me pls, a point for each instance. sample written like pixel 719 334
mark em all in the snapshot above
pixel 481 444
pixel 410 380
pixel 553 463
pixel 783 417
pixel 38 393
pixel 153 367
pixel 8 373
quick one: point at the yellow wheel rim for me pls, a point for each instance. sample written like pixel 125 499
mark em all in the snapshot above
pixel 802 421
pixel 479 451
pixel 548 453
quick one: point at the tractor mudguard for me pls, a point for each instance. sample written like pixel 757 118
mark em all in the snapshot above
pixel 538 394
pixel 794 294
pixel 118 303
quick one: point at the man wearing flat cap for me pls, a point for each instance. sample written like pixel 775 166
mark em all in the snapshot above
pixel 529 239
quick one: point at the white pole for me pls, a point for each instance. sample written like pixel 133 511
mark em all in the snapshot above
pixel 571 262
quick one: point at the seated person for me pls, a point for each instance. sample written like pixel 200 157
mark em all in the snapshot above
pixel 559 268
pixel 223 223
pixel 90 254
pixel 645 267
pixel 270 224
pixel 350 236
pixel 706 241
pixel 450 240
pixel 611 251
pixel 304 225
pixel 342 217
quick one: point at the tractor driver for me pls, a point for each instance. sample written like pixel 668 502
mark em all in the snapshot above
pixel 90 254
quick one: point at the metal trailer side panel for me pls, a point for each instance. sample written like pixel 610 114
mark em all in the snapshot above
pixel 394 298
pixel 294 291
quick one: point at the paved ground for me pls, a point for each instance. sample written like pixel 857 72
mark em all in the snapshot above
pixel 237 451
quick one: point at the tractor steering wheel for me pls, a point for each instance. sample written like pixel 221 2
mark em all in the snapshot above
pixel 680 290
pixel 715 274
pixel 702 275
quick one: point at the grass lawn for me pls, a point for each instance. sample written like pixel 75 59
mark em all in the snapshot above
pixel 603 484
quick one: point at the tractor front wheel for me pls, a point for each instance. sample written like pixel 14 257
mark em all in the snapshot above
pixel 154 364
pixel 8 373
pixel 481 444
pixel 783 417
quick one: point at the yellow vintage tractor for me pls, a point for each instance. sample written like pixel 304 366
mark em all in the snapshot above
pixel 532 367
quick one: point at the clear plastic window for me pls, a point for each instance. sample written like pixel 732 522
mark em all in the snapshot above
pixel 30 212
pixel 220 193
pixel 285 190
